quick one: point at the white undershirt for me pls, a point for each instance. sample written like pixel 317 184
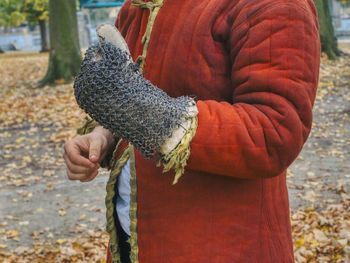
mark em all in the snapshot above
pixel 123 198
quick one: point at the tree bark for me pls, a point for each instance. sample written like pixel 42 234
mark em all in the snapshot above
pixel 44 44
pixel 329 43
pixel 65 57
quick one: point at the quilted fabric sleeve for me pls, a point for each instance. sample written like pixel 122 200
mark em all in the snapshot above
pixel 275 54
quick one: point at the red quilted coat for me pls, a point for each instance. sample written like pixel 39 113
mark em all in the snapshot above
pixel 253 67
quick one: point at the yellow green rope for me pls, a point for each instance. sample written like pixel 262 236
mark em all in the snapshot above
pixel 134 253
pixel 153 7
pixel 110 202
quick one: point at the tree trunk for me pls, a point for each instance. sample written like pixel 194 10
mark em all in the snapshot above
pixel 65 57
pixel 44 46
pixel 329 43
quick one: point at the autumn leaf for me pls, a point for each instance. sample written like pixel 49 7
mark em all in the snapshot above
pixel 62 212
pixel 12 233
pixel 61 241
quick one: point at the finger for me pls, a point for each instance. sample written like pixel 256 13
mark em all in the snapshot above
pixel 78 168
pixel 73 153
pixel 91 177
pixel 79 176
pixel 95 150
pixel 73 176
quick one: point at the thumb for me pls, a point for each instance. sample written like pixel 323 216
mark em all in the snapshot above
pixel 95 150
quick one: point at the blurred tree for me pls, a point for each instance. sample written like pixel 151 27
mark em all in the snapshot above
pixel 328 41
pixel 37 11
pixel 16 12
pixel 10 14
pixel 65 56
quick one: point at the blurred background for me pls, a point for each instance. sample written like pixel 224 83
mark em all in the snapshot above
pixel 21 26
pixel 44 217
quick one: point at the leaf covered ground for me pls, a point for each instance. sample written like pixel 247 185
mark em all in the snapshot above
pixel 46 218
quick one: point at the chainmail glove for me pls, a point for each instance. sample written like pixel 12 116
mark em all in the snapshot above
pixel 110 88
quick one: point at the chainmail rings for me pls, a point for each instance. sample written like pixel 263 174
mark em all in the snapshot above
pixel 110 88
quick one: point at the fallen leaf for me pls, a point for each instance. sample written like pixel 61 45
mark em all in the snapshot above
pixel 61 241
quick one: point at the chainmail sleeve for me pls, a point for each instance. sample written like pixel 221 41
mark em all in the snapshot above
pixel 110 88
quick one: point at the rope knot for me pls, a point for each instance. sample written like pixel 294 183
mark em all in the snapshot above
pixel 148 5
pixel 141 60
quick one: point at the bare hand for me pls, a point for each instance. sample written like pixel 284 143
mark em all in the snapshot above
pixel 83 154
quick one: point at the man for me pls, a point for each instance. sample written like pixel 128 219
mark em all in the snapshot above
pixel 253 67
